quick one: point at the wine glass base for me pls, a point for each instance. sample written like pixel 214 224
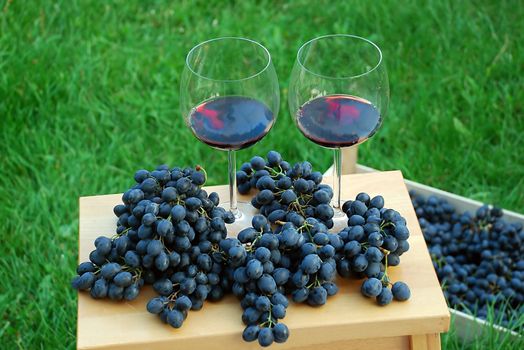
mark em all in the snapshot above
pixel 340 220
pixel 243 216
pixel 338 213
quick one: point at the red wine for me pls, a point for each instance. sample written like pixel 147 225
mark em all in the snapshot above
pixel 338 120
pixel 231 122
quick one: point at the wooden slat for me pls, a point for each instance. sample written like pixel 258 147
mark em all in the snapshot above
pixel 347 316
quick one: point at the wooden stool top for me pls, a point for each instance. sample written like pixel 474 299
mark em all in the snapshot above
pixel 346 316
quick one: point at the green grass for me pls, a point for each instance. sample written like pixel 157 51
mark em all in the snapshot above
pixel 488 337
pixel 89 93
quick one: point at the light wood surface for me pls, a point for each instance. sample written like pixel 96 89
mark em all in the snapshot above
pixel 425 341
pixel 348 316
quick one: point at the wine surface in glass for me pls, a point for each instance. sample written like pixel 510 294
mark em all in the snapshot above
pixel 231 122
pixel 338 120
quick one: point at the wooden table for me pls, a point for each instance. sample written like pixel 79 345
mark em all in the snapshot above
pixel 347 321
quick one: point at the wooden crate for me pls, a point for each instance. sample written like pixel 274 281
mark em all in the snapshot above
pixel 347 321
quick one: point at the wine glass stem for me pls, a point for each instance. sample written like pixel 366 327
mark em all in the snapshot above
pixel 232 169
pixel 337 172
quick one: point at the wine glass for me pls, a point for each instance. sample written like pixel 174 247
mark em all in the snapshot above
pixel 338 95
pixel 230 100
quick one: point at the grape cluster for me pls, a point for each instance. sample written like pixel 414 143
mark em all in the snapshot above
pixel 312 261
pixel 286 193
pixel 253 259
pixel 267 264
pixel 168 233
pixel 479 258
pixel 108 278
pixel 171 234
pixel 374 239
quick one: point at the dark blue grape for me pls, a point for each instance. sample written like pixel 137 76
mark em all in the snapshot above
pixel 278 311
pixel 266 284
pixel 265 337
pixel 385 297
pixel 300 295
pixel 330 287
pixel 269 241
pixel 198 178
pixel 162 261
pixel 373 254
pixel 263 303
pixel 86 266
pixel 360 263
pixel 390 243
pixel 175 318
pixel 254 269
pixel 262 254
pixel 352 248
pixel 109 270
pixel 321 196
pixel 401 232
pixel 401 291
pixel 131 292
pixel 358 207
pixel 115 292
pixel 371 287
pixel 280 333
pixel 281 276
pixel 99 289
pixel 364 198
pixel 393 259
pixel 193 203
pixel 258 222
pixel 317 296
pixel 120 209
pixel 250 333
pixel 321 238
pixel 311 264
pixel 377 202
pixel 375 239
pixel 141 175
pixel 265 183
pixel 284 183
pixel 123 279
pixel 163 286
pixel 258 163
pixel 356 233
pixel 155 247
pixel 155 305
pixel 84 282
pixel 301 186
pixel 188 286
pixel 103 245
pixel 277 215
pixel 327 272
pixel 356 220
pixel 274 159
pixel 373 269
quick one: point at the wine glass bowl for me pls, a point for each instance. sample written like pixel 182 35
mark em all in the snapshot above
pixel 338 94
pixel 229 92
pixel 229 97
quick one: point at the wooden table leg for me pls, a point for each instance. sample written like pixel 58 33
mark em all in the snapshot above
pixel 425 342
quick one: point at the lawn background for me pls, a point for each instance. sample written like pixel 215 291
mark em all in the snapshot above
pixel 89 94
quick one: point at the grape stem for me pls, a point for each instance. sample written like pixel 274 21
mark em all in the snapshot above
pixel 198 168
pixel 268 322
pixel 120 234
pixel 273 172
